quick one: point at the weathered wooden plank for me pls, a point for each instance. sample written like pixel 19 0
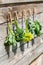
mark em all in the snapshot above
pixel 16 1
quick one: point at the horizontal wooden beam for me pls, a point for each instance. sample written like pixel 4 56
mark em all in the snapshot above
pixel 20 3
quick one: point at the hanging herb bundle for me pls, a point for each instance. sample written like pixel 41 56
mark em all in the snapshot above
pixel 30 26
pixel 38 28
pixel 28 36
pixel 10 39
pixel 19 33
pixel 34 27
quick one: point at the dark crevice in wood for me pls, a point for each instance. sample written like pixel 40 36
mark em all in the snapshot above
pixel 36 58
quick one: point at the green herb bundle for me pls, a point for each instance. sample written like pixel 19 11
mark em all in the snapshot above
pixel 28 36
pixel 34 27
pixel 19 33
pixel 10 39
pixel 38 28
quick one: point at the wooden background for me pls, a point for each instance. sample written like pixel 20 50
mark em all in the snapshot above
pixel 30 53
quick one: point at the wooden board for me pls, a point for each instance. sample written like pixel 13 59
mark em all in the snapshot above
pixel 18 1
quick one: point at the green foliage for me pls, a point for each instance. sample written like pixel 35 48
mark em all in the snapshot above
pixel 37 28
pixel 28 36
pixel 34 27
pixel 19 33
pixel 10 39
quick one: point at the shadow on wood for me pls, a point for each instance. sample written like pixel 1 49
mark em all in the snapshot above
pixel 22 46
pixel 32 42
pixel 14 49
pixel 27 44
pixel 7 48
